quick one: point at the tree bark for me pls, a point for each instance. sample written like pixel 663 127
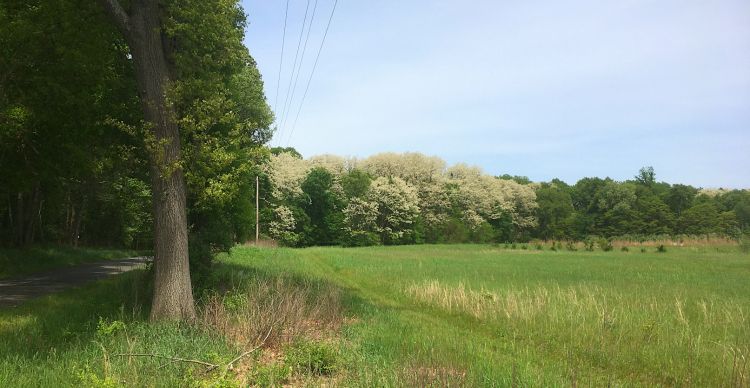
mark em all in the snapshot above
pixel 141 27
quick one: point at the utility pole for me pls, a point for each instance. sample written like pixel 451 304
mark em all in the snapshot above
pixel 257 210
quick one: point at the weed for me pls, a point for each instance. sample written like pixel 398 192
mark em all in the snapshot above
pixel 105 328
pixel 270 375
pixel 313 358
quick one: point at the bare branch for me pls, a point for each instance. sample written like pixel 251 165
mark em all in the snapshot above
pixel 118 15
pixel 207 364
pixel 229 365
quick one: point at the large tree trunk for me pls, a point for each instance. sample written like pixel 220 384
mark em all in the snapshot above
pixel 173 295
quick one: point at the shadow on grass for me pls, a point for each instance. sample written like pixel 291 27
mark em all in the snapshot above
pixel 71 317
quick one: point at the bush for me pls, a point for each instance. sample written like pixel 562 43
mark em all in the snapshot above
pixel 524 247
pixel 661 248
pixel 624 249
pixel 604 244
pixel 589 244
pixel 571 246
pixel 745 243
pixel 360 239
pixel 539 247
pixel 643 249
pixel 315 358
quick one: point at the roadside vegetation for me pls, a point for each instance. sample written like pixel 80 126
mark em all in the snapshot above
pixel 403 316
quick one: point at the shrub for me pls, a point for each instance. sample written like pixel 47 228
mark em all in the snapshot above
pixel 513 246
pixel 661 248
pixel 643 249
pixel 624 249
pixel 315 358
pixel 524 247
pixel 553 248
pixel 360 239
pixel 589 244
pixel 745 243
pixel 604 244
pixel 539 247
pixel 571 246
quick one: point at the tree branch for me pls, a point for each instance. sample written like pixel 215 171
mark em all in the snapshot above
pixel 207 364
pixel 118 15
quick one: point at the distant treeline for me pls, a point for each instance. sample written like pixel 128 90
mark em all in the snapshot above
pixel 411 198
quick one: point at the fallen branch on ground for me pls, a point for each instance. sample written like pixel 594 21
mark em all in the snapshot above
pixel 176 359
pixel 209 366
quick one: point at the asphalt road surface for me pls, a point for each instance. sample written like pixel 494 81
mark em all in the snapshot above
pixel 16 291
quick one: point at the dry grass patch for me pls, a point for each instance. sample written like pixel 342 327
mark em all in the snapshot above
pixel 272 315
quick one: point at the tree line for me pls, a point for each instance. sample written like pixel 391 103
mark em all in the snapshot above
pixel 411 198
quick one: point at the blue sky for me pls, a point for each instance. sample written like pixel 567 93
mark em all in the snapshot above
pixel 545 89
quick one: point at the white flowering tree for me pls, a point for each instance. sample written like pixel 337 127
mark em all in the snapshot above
pixel 398 209
pixel 360 223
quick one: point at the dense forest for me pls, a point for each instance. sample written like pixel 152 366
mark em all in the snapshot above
pixel 79 156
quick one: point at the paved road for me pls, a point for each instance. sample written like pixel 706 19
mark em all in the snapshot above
pixel 16 291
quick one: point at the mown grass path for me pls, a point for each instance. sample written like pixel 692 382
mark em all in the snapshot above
pixel 16 291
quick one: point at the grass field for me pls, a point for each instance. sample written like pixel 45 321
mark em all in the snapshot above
pixel 403 316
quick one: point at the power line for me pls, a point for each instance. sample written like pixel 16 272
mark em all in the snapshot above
pixel 315 65
pixel 294 65
pixel 281 61
pixel 301 61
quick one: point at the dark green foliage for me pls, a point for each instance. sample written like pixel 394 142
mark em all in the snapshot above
pixel 661 248
pixel 554 211
pixel 624 249
pixel 360 239
pixel 356 183
pixel 73 146
pixel 285 150
pixel 516 178
pixel 323 206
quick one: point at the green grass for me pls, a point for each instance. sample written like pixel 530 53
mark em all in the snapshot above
pixel 491 316
pixel 19 262
pixel 415 316
pixel 72 338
